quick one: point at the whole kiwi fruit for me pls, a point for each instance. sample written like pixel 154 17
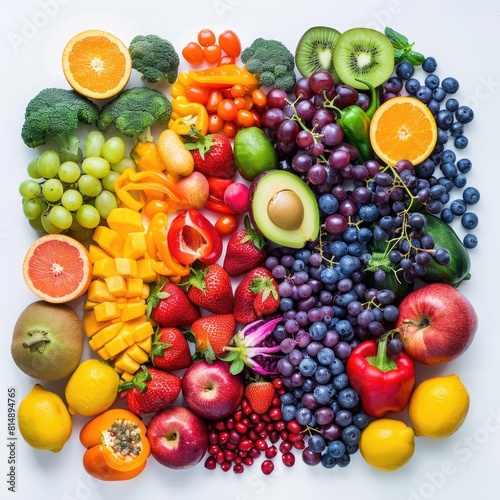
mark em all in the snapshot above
pixel 47 342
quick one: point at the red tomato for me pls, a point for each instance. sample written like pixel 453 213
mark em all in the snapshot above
pixel 197 94
pixel 257 118
pixel 227 110
pixel 212 53
pixel 259 98
pixel 244 118
pixel 215 123
pixel 239 102
pixel 226 224
pixel 230 43
pixel 230 129
pixel 238 90
pixel 206 37
pixel 214 99
pixel 193 53
pixel 226 60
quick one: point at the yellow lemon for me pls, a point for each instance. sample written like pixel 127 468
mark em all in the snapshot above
pixel 43 419
pixel 439 406
pixel 92 388
pixel 387 444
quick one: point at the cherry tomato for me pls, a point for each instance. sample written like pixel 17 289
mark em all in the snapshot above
pixel 230 129
pixel 248 102
pixel 227 93
pixel 197 94
pixel 215 123
pixel 259 98
pixel 230 43
pixel 227 110
pixel 244 118
pixel 239 102
pixel 206 37
pixel 226 60
pixel 238 90
pixel 212 53
pixel 193 53
pixel 226 224
pixel 257 118
pixel 214 98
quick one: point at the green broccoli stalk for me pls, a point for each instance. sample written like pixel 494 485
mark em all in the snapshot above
pixel 134 111
pixel 57 113
pixel 271 62
pixel 154 57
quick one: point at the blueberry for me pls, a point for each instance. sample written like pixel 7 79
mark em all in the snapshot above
pixel 405 70
pixel 325 356
pixel 368 212
pixel 338 248
pixel 447 215
pixel 432 81
pixel 351 435
pixel 337 367
pixel 343 418
pixel 316 443
pixel 464 165
pixel 303 416
pixel 412 85
pixel 458 207
pixel 340 382
pixel 318 330
pixel 307 367
pixel 323 394
pixel 348 398
pixel 364 234
pixel 433 106
pixel 460 180
pixel 470 241
pixel 336 448
pixel 361 420
pixel 446 183
pixel 449 169
pixel 438 94
pixel 461 142
pixel 344 460
pixel 464 114
pixel 393 85
pixel 452 104
pixel 448 155
pixel 424 94
pixel 288 412
pixel 442 137
pixel 469 220
pixel 429 65
pixel 328 204
pixel 444 119
pixel 457 129
pixel 322 374
pixel 450 85
pixel 327 461
pixel 425 169
pixel 286 304
pixel 471 195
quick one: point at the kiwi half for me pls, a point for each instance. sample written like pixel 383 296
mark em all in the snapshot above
pixel 315 49
pixel 366 54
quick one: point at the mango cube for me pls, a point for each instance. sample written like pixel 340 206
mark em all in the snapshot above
pixel 104 268
pixel 125 220
pixel 145 270
pixel 106 311
pixel 116 285
pixel 135 245
pixel 97 253
pixel 109 240
pixel 126 267
pixel 98 292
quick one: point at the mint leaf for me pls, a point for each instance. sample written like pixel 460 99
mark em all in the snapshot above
pixel 397 39
pixel 415 58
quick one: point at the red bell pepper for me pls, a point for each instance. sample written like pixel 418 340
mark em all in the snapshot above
pixel 192 237
pixel 384 383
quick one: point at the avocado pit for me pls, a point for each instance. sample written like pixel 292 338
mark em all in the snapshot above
pixel 286 210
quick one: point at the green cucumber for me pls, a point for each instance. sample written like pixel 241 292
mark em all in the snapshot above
pixel 458 268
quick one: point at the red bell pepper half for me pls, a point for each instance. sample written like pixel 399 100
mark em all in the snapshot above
pixel 191 237
pixel 384 383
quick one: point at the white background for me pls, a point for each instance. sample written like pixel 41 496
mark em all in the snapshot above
pixel 464 37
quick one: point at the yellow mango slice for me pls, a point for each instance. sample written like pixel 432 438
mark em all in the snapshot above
pixel 109 240
pixel 133 310
pixel 135 245
pixel 126 267
pixel 106 311
pixel 104 336
pixel 126 362
pixel 98 291
pixel 90 323
pixel 125 220
pixel 104 268
pixel 126 377
pixel 146 344
pixel 116 285
pixel 116 346
pixel 135 287
pixel 89 305
pixel 145 270
pixel 97 253
pixel 137 353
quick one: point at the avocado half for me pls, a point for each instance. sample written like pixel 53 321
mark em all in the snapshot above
pixel 284 209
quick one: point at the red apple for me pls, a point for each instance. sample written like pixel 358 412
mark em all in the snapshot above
pixel 178 437
pixel 211 390
pixel 437 323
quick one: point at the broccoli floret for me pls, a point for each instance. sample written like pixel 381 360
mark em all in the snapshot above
pixel 134 111
pixel 57 113
pixel 272 62
pixel 154 57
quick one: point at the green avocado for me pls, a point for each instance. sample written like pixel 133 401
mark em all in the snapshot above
pixel 284 209
pixel 253 153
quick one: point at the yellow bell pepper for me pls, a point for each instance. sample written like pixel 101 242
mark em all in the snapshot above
pixel 185 114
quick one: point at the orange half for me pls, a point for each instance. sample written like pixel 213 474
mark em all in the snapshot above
pixel 96 64
pixel 403 128
pixel 57 268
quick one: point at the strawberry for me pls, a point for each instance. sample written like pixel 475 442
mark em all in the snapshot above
pixel 266 299
pixel 170 349
pixel 260 395
pixel 244 297
pixel 212 154
pixel 150 390
pixel 210 288
pixel 170 306
pixel 212 334
pixel 245 250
